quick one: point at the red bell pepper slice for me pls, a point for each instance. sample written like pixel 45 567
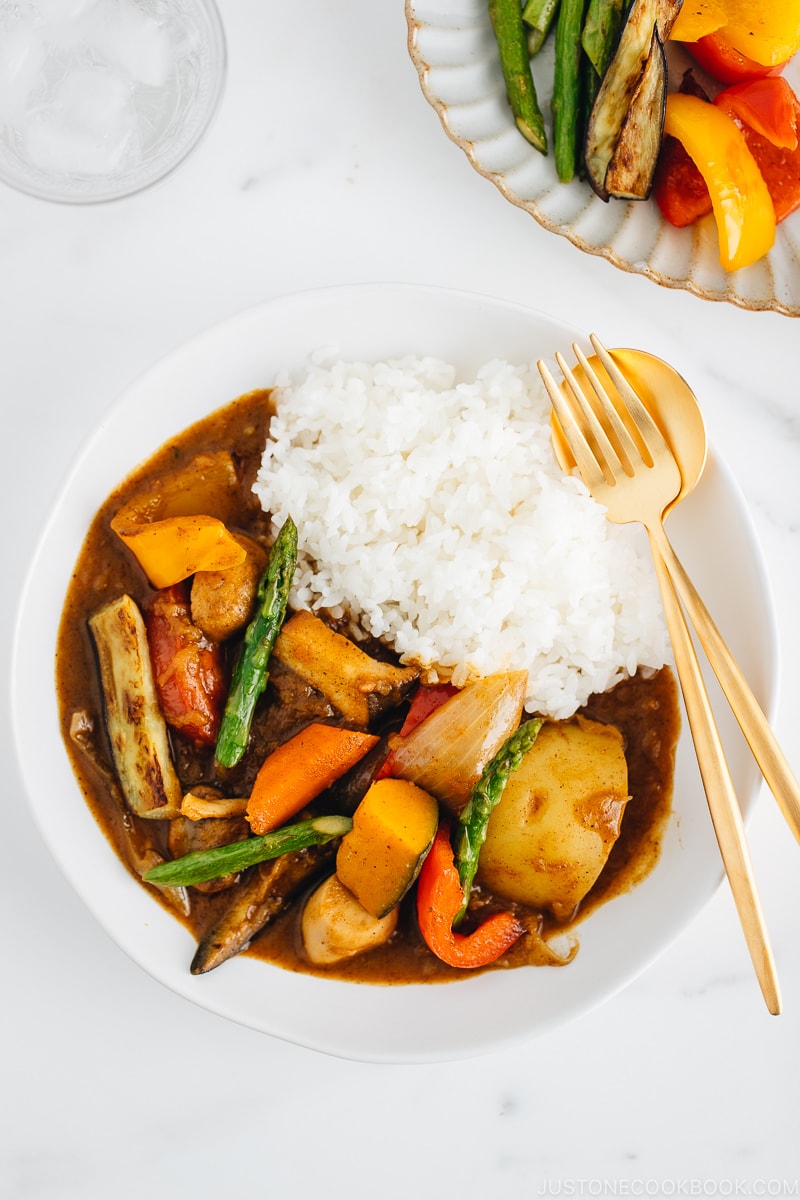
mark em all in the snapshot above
pixel 725 63
pixel 440 897
pixel 781 170
pixel 679 189
pixel 768 106
pixel 187 666
pixel 427 699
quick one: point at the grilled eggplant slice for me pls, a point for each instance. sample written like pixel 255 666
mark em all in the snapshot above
pixel 136 730
pixel 632 168
pixel 259 898
pixel 627 103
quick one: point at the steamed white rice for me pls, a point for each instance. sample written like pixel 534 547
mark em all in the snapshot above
pixel 432 513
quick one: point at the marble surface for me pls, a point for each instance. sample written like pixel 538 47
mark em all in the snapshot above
pixel 326 166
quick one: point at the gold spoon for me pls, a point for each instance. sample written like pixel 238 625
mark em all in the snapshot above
pixel 674 407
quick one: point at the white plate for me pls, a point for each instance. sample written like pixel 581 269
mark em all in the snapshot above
pixel 386 1024
pixel 453 48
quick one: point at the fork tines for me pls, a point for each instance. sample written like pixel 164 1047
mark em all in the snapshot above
pixel 601 432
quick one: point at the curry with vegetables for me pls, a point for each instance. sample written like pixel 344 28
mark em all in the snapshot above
pixel 296 793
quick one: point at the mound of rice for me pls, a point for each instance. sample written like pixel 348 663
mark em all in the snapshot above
pixel 432 513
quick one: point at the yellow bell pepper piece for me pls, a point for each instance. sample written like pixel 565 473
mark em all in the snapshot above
pixel 742 205
pixel 697 18
pixel 173 549
pixel 767 33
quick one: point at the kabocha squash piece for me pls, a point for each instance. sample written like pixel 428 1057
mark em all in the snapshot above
pixel 393 829
pixel 551 834
pixel 136 729
pixel 335 926
pixel 337 667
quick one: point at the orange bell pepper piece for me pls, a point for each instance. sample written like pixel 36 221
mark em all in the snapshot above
pixel 173 549
pixel 742 205
pixel 175 526
pixel 440 897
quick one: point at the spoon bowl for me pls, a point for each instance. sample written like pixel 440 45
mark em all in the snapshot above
pixel 670 401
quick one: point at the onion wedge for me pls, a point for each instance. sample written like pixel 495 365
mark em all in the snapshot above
pixel 447 752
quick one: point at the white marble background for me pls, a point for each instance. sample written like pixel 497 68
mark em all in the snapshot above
pixel 326 166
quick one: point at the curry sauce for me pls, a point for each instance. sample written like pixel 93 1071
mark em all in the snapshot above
pixel 643 708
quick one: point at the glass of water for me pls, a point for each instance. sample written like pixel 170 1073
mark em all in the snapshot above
pixel 101 98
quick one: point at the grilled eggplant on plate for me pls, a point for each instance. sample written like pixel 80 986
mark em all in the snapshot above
pixel 623 135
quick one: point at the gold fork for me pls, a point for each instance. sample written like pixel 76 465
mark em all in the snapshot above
pixel 635 476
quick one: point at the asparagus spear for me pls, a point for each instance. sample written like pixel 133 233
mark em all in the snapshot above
pixel 599 37
pixel 566 88
pixel 474 819
pixel 509 30
pixel 539 16
pixel 539 13
pixel 250 673
pixel 600 31
pixel 236 856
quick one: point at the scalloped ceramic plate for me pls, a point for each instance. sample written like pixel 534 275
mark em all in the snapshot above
pixel 453 49
pixel 379 1024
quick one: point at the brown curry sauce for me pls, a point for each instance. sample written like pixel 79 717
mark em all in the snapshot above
pixel 644 708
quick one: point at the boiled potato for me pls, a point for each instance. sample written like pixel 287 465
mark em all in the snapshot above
pixel 560 814
pixel 335 926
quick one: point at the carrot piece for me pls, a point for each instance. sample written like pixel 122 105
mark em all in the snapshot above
pixel 440 898
pixel 295 773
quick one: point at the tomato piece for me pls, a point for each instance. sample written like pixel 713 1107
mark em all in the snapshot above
pixel 187 667
pixel 725 63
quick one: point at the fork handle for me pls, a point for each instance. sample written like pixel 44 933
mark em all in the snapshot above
pixel 754 725
pixel 726 815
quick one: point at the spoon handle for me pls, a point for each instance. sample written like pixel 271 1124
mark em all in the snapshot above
pixel 726 815
pixel 754 725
